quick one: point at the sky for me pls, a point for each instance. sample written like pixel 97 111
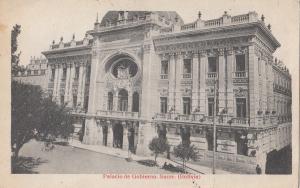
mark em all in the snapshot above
pixel 43 21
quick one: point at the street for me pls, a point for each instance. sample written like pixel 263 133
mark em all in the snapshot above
pixel 69 160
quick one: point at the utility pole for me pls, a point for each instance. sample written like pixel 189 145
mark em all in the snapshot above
pixel 214 127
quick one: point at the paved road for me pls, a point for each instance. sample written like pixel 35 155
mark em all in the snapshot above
pixel 65 159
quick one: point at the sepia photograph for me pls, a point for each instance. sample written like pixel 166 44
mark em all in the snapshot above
pixel 154 92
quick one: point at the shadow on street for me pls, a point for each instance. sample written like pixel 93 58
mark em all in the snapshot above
pixel 26 165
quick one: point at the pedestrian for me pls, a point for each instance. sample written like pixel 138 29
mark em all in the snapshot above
pixel 258 169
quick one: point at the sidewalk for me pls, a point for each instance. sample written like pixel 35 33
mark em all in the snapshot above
pixel 124 154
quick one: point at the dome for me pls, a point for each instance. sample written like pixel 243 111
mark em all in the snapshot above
pixel 112 16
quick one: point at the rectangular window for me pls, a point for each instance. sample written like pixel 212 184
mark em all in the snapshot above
pixel 64 74
pixel 164 67
pixel 241 107
pixel 210 106
pixel 110 101
pixel 163 105
pixel 240 63
pixel 76 73
pixel 187 66
pixel 212 64
pixel 29 72
pixel 43 72
pixel 62 99
pixel 52 74
pixel 35 72
pixel 74 101
pixel 186 105
pixel 86 102
pixel 88 74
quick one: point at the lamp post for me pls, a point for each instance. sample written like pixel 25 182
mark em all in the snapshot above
pixel 214 127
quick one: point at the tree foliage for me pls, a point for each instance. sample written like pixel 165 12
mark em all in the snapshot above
pixel 186 152
pixel 158 146
pixel 15 56
pixel 32 115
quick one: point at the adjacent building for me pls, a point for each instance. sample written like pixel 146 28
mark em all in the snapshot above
pixel 140 74
pixel 34 73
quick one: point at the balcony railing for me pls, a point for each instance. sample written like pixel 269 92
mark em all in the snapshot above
pixel 51 84
pixel 118 114
pixel 163 76
pixel 240 121
pixel 187 75
pixel 240 74
pixel 196 118
pixel 212 75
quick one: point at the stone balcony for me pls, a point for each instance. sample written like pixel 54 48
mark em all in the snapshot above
pixel 212 75
pixel 51 84
pixel 187 75
pixel 164 76
pixel 283 90
pixel 117 114
pixel 240 77
pixel 224 120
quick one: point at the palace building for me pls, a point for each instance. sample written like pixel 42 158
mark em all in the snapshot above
pixel 141 74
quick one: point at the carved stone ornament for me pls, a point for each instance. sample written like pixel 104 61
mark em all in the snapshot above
pixel 164 92
pixel 210 91
pixel 240 92
pixel 186 92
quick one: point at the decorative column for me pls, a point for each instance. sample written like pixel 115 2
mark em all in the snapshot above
pixel 115 101
pixel 99 137
pixel 253 84
pixel 203 72
pixel 125 135
pixel 195 88
pixel 230 71
pixel 55 92
pixel 83 79
pixel 79 92
pixel 71 81
pixel 129 109
pixel 110 135
pixel 178 77
pixel 171 102
pixel 221 78
pixel 60 72
pixel 67 85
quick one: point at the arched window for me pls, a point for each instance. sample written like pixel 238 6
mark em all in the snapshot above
pixel 110 100
pixel 135 102
pixel 123 100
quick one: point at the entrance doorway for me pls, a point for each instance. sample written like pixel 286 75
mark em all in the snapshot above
pixel 104 131
pixel 118 136
pixel 241 141
pixel 131 133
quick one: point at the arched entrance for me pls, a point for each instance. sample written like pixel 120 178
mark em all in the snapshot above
pixel 118 136
pixel 123 100
pixel 135 102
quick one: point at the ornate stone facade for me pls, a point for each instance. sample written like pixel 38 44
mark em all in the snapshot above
pixel 144 74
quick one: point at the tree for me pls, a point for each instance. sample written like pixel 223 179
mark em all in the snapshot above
pixel 185 153
pixel 15 57
pixel 34 115
pixel 158 146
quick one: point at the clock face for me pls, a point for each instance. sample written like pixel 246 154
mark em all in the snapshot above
pixel 124 69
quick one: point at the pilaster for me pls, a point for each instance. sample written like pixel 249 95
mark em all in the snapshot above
pixel 203 72
pixel 172 75
pixel 222 80
pixel 195 75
